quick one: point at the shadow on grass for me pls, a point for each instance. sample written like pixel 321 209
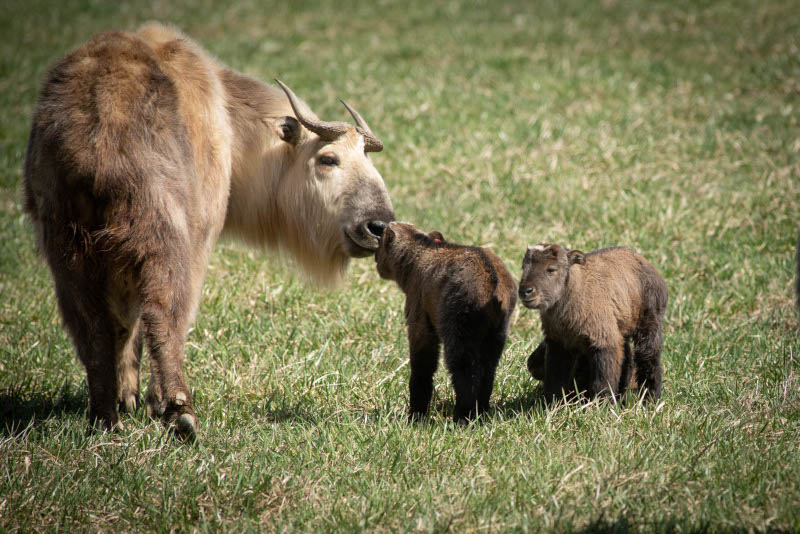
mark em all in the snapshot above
pixel 19 408
pixel 625 526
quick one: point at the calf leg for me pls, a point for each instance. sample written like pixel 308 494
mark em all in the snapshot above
pixel 606 368
pixel 647 354
pixel 491 351
pixel 559 371
pixel 424 355
pixel 466 373
pixel 536 361
pixel 627 369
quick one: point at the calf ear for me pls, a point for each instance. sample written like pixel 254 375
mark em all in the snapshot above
pixel 288 129
pixel 576 256
pixel 437 235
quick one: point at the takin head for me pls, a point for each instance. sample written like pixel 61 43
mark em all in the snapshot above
pixel 545 271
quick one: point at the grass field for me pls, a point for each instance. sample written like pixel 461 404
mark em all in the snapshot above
pixel 670 127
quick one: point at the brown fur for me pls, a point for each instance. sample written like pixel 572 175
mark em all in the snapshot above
pixel 592 306
pixel 143 148
pixel 458 296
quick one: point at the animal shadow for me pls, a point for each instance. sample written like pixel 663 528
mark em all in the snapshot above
pixel 21 409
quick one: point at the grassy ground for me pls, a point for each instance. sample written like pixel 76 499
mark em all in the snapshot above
pixel 668 127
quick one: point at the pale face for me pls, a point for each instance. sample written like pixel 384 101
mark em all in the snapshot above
pixel 544 276
pixel 354 197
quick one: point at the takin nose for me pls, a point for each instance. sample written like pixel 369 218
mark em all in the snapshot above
pixel 373 228
pixel 525 291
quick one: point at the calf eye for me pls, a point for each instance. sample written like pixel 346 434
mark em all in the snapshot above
pixel 551 270
pixel 328 160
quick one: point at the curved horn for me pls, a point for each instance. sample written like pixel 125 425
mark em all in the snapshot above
pixel 326 130
pixel 371 143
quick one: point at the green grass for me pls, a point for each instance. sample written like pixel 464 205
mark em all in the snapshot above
pixel 668 127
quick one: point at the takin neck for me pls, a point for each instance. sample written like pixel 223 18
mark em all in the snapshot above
pixel 415 268
pixel 259 159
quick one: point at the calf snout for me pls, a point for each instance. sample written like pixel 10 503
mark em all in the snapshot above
pixel 525 291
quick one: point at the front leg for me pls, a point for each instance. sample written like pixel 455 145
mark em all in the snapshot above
pixel 606 368
pixel 423 345
pixel 559 371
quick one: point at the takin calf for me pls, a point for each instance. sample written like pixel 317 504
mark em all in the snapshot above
pixel 456 295
pixel 592 305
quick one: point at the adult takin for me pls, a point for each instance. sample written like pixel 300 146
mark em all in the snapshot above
pixel 457 296
pixel 592 306
pixel 143 149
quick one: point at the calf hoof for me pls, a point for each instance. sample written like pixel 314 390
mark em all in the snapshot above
pixel 417 417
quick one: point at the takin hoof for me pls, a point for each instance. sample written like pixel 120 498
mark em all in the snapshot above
pixel 185 428
pixel 182 421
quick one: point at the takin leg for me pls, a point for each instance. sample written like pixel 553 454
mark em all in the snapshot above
pixel 424 355
pixel 128 371
pixel 101 334
pixel 647 355
pixel 559 371
pixel 627 369
pixel 606 368
pixel 536 361
pixel 168 303
pixel 466 372
pixel 491 350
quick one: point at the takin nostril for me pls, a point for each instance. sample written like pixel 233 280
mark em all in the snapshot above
pixel 525 291
pixel 376 228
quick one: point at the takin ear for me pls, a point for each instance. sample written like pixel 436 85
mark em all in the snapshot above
pixel 288 129
pixel 576 256
pixel 436 235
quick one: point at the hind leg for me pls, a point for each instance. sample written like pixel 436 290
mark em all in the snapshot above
pixel 128 371
pixel 466 373
pixel 169 297
pixel 627 369
pixel 647 354
pixel 491 351
pixel 88 308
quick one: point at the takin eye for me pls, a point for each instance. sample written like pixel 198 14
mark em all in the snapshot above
pixel 551 270
pixel 328 160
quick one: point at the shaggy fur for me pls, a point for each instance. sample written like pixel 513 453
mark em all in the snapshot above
pixel 458 296
pixel 142 149
pixel 592 306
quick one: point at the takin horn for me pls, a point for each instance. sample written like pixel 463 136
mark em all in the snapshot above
pixel 331 130
pixel 371 143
